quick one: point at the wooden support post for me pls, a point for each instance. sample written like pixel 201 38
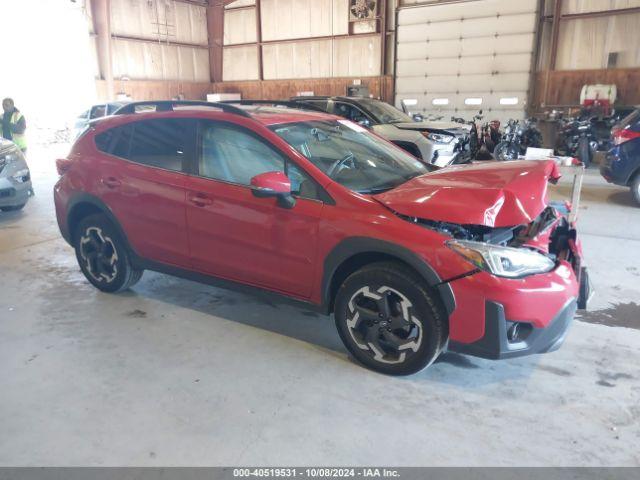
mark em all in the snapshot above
pixel 215 30
pixel 553 48
pixel 259 39
pixel 101 10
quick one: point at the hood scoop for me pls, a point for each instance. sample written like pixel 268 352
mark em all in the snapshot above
pixel 493 194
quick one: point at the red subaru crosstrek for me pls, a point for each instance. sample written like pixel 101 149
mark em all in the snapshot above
pixel 310 206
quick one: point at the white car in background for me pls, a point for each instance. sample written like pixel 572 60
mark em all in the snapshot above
pixel 96 111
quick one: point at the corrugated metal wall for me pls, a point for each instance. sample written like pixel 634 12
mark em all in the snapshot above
pixel 146 37
pixel 310 56
pixel 458 58
pixel 586 43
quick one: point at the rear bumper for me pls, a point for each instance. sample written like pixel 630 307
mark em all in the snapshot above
pixel 619 165
pixel 496 345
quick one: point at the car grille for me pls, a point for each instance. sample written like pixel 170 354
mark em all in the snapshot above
pixel 7 192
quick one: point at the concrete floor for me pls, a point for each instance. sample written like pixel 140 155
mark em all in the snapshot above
pixel 177 373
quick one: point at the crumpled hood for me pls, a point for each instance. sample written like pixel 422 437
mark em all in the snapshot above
pixel 494 194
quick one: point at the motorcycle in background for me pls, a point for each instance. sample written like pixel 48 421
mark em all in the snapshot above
pixel 480 143
pixel 517 137
pixel 577 138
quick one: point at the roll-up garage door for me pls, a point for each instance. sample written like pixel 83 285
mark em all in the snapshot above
pixel 454 59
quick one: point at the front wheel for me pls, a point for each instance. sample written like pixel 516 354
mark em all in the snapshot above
pixel 389 320
pixel 506 151
pixel 103 256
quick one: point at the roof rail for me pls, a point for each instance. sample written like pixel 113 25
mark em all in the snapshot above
pixel 277 103
pixel 167 106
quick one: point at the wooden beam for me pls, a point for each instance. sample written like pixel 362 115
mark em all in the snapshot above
pixel 553 48
pixel 600 13
pixel 259 39
pixel 102 27
pixel 383 46
pixel 215 30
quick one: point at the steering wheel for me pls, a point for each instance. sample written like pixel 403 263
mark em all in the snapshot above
pixel 335 166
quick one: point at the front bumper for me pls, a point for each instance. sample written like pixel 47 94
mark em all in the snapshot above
pixel 496 345
pixel 14 193
pixel 539 306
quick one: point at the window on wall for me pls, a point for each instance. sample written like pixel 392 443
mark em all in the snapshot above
pixel 509 101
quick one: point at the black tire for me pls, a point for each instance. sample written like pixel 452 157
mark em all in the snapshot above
pixel 584 152
pixel 415 322
pixel 13 208
pixel 103 256
pixel 635 188
pixel 505 151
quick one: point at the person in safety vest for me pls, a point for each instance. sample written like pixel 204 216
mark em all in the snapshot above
pixel 14 125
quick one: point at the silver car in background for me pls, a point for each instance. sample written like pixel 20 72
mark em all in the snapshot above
pixel 15 178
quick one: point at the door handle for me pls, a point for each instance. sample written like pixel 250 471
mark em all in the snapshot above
pixel 111 182
pixel 199 199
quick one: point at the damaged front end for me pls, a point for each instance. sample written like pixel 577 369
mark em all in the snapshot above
pixel 518 251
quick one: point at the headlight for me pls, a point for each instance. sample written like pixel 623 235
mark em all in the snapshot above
pixel 22 176
pixel 502 261
pixel 440 138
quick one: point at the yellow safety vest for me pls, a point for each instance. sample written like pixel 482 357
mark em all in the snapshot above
pixel 18 138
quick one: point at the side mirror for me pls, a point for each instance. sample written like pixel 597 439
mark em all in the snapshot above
pixel 364 123
pixel 417 117
pixel 273 184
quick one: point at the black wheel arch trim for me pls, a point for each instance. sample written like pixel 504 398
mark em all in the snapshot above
pixel 86 198
pixel 353 246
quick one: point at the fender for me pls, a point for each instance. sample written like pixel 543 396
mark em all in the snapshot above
pixel 357 245
pixel 85 198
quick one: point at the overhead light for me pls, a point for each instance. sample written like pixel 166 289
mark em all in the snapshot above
pixel 473 101
pixel 410 102
pixel 440 101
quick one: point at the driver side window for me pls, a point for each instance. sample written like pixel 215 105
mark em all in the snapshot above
pixel 235 155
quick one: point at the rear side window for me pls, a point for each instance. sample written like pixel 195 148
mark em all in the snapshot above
pixel 321 104
pixel 161 143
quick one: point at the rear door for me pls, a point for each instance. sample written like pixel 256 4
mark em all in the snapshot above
pixel 142 180
pixel 240 237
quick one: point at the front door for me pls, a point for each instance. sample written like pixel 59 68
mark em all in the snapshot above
pixel 240 237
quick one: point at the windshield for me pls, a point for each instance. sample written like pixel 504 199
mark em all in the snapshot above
pixel 385 113
pixel 351 155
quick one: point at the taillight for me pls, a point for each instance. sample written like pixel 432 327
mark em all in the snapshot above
pixel 63 165
pixel 623 135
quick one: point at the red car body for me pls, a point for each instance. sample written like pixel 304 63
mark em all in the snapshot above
pixel 181 223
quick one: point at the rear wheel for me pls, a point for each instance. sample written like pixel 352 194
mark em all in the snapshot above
pixel 389 320
pixel 635 188
pixel 103 256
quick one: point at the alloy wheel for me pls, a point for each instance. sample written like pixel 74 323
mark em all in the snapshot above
pixel 99 255
pixel 381 322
